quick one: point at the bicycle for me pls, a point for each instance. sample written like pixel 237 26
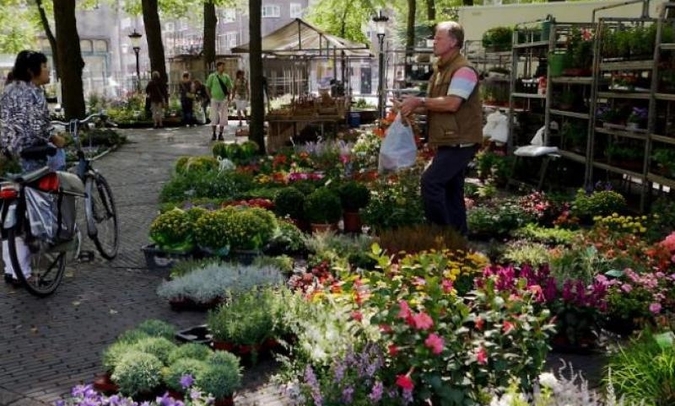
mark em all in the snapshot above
pixel 45 237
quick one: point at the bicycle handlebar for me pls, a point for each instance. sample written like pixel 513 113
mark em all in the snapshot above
pixel 86 120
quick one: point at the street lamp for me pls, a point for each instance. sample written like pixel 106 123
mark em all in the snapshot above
pixel 135 38
pixel 381 27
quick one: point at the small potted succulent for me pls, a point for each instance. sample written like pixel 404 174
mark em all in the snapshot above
pixel 323 209
pixel 354 196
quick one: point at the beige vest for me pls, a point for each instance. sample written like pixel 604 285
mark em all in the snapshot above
pixel 466 124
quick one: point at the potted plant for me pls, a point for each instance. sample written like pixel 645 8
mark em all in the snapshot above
pixel 323 209
pixel 354 196
pixel 172 374
pixel 498 39
pixel 638 118
pixel 171 231
pixel 138 374
pixel 289 202
pixel 665 160
pixel 211 233
pixel 221 377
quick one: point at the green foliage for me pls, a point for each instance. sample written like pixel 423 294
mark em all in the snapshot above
pixel 323 206
pixel 498 38
pixel 525 252
pixel 221 378
pixel 113 353
pixel 160 347
pixel 287 239
pixel 210 185
pixel 289 202
pixel 598 203
pixel 394 203
pixel 173 230
pixel 157 328
pixel 496 220
pixel 353 196
pixel 211 229
pixel 183 366
pixel 102 137
pixel 198 164
pixel 190 350
pixel 545 235
pixel 137 373
pixel 644 370
pixel 344 19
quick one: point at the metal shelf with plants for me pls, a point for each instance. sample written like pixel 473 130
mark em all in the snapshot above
pixel 632 136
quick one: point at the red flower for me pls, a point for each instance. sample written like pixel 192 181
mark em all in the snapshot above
pixel 357 316
pixel 385 328
pixel 507 327
pixel 393 350
pixel 479 323
pixel 481 356
pixel 405 382
pixel 447 285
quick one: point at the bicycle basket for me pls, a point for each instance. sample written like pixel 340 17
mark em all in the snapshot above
pixel 51 215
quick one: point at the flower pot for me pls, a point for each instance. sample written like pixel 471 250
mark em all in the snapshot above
pixel 223 346
pixel 228 401
pixel 198 334
pixel 104 384
pixel 187 304
pixel 352 222
pixel 245 257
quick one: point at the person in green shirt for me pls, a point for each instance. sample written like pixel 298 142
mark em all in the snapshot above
pixel 219 88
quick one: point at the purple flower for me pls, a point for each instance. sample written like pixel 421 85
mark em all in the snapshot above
pixel 655 308
pixel 186 381
pixel 165 400
pixel 376 393
pixel 348 394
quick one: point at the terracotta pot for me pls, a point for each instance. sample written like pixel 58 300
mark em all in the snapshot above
pixel 223 346
pixel 105 385
pixel 352 222
pixel 228 401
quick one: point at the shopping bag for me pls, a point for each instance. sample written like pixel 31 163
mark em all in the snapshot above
pixel 398 149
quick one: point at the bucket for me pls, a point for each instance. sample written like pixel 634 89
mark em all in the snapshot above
pixel 556 64
pixel 546 27
pixel 354 119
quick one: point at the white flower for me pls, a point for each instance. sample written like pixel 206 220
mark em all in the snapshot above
pixel 548 380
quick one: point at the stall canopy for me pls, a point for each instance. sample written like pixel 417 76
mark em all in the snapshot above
pixel 298 38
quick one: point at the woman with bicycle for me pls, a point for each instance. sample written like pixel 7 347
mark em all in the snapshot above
pixel 24 123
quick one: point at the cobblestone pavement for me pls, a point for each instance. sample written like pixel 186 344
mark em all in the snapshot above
pixel 49 345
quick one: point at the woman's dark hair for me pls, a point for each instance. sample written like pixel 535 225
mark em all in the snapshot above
pixel 240 73
pixel 28 64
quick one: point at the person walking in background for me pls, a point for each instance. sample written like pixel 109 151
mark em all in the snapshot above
pixel 159 98
pixel 202 97
pixel 455 121
pixel 219 88
pixel 25 123
pixel 187 99
pixel 241 95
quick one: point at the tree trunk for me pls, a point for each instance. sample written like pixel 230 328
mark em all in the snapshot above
pixel 256 129
pixel 410 36
pixel 431 11
pixel 467 2
pixel 210 22
pixel 153 35
pixel 50 37
pixel 70 57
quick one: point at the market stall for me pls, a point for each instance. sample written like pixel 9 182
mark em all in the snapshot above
pixel 297 46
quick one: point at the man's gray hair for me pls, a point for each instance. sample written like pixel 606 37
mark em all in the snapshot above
pixel 453 28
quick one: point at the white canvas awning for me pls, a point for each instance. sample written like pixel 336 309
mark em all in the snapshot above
pixel 298 38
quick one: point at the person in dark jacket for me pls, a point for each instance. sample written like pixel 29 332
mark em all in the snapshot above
pixel 187 99
pixel 159 98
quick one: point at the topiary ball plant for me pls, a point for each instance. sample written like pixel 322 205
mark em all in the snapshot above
pixel 183 366
pixel 157 346
pixel 353 196
pixel 190 350
pixel 323 206
pixel 113 353
pixel 289 202
pixel 172 230
pixel 157 328
pixel 222 375
pixel 211 231
pixel 137 373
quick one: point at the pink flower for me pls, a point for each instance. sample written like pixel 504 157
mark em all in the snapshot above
pixel 404 313
pixel 434 343
pixel 479 323
pixel 356 315
pixel 405 382
pixel 626 288
pixel 655 308
pixel 447 285
pixel 481 356
pixel 421 321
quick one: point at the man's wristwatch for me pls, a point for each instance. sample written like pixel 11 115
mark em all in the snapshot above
pixel 424 101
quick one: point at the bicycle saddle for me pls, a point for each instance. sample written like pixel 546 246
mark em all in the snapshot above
pixel 31 176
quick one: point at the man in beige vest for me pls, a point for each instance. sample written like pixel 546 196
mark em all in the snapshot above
pixel 455 120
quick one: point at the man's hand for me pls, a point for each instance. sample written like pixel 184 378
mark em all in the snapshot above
pixel 409 104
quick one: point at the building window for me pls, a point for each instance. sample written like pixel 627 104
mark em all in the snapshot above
pixel 86 46
pixel 100 46
pixel 228 15
pixel 230 39
pixel 296 10
pixel 271 11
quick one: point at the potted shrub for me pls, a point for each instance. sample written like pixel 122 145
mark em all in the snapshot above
pixel 289 202
pixel 665 160
pixel 171 231
pixel 353 196
pixel 211 233
pixel 183 366
pixel 138 374
pixel 248 231
pixel 221 377
pixel 323 209
pixel 498 39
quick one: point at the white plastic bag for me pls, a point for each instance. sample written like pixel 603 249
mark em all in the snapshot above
pixel 398 149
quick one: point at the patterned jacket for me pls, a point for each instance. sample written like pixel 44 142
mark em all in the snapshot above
pixel 24 117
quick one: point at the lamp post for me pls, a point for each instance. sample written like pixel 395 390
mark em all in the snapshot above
pixel 381 26
pixel 135 38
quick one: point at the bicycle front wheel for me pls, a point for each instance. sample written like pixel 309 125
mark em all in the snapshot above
pixel 101 215
pixel 39 266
